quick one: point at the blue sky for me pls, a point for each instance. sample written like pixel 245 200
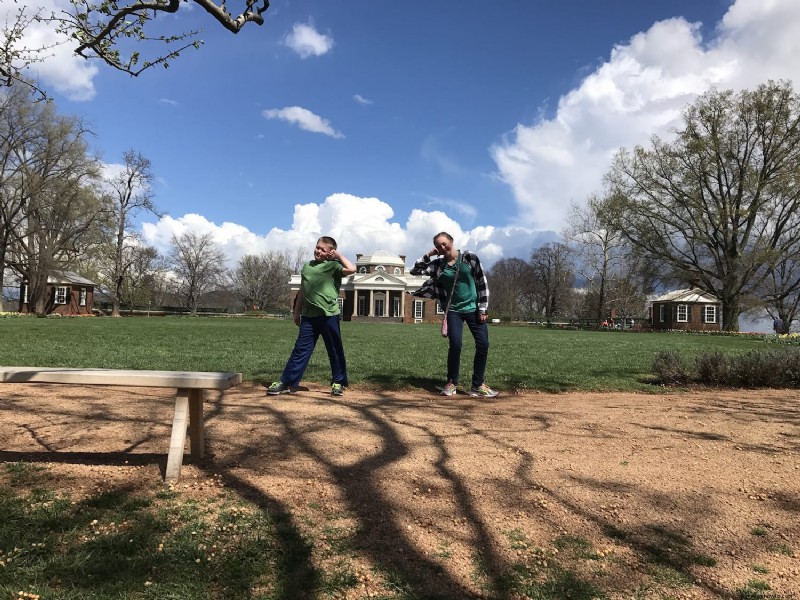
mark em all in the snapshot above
pixel 382 123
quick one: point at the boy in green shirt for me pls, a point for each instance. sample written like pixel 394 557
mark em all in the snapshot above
pixel 316 312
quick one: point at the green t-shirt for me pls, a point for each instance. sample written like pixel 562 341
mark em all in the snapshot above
pixel 465 296
pixel 320 282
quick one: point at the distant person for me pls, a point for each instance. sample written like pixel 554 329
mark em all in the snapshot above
pixel 777 325
pixel 457 277
pixel 316 312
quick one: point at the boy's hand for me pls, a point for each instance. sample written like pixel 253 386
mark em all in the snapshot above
pixel 333 254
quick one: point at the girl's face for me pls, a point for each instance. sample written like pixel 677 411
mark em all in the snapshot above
pixel 322 251
pixel 444 245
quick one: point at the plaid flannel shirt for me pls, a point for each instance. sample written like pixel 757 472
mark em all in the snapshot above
pixel 434 267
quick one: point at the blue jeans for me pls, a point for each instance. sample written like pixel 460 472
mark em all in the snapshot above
pixel 480 332
pixel 310 330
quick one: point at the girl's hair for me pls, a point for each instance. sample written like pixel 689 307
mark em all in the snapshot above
pixel 328 240
pixel 442 233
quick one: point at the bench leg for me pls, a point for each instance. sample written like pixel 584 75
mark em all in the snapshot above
pixel 178 439
pixel 196 428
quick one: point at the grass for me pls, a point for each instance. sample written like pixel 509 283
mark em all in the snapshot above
pixel 382 355
pixel 155 543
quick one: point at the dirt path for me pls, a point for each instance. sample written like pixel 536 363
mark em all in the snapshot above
pixel 687 495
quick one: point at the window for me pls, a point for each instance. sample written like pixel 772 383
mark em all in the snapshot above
pixel 397 312
pixel 362 306
pixel 379 307
pixel 362 269
pixel 682 313
pixel 340 301
pixel 418 312
pixel 710 313
pixel 62 293
pixel 439 309
pixel 82 298
pixel 379 279
pixel 380 268
pixel 398 271
pixel 660 313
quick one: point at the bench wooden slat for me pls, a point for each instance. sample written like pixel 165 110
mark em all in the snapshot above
pixel 127 377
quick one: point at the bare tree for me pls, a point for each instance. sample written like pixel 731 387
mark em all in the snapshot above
pixel 143 283
pixel 512 281
pixel 104 31
pixel 600 250
pixel 716 203
pixel 553 278
pixel 130 193
pixel 198 265
pixel 263 281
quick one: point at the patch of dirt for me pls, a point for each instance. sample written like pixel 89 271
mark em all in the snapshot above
pixel 684 495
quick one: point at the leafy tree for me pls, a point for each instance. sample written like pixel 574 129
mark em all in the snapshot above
pixel 198 265
pixel 49 196
pixel 104 30
pixel 716 203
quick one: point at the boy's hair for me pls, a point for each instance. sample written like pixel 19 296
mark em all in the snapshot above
pixel 442 233
pixel 328 240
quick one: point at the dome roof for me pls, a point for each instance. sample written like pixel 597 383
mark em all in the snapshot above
pixel 381 257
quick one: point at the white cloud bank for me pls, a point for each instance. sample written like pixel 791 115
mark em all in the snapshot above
pixel 373 229
pixel 640 91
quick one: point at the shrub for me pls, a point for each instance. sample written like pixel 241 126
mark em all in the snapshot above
pixel 776 369
pixel 669 368
pixel 713 368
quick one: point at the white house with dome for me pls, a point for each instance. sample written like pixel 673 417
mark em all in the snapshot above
pixel 378 291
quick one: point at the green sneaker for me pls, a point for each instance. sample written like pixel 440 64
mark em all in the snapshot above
pixel 337 389
pixel 276 388
pixel 483 391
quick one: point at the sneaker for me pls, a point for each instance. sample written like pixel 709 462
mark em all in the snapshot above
pixel 483 391
pixel 276 388
pixel 337 389
pixel 449 389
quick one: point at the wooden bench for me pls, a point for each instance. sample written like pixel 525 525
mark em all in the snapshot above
pixel 188 400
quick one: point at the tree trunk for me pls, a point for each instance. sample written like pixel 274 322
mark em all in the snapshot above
pixel 730 314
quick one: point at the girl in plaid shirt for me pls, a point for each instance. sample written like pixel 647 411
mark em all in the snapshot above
pixel 469 304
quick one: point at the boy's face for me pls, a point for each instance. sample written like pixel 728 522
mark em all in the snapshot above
pixel 322 251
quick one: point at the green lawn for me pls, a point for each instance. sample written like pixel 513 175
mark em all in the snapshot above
pixel 382 355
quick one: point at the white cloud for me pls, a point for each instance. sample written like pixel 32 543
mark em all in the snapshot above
pixel 168 101
pixel 61 69
pixel 374 229
pixel 640 91
pixel 361 100
pixel 303 118
pixel 307 41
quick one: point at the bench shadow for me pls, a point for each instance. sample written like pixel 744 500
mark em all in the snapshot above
pixel 114 459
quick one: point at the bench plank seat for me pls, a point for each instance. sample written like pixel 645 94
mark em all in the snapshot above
pixel 188 399
pixel 204 380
